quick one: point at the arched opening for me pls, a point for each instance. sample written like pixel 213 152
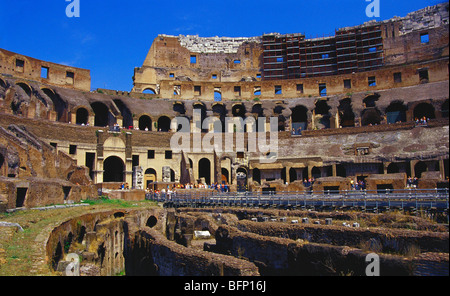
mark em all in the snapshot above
pixel 392 168
pixel 346 115
pixel 322 111
pixel 199 107
pixel 241 176
pixel 444 109
pixel 419 168
pixel 258 111
pixel 151 221
pixel 25 87
pixel 145 123
pixel 424 110
pixel 292 175
pixel 238 110
pixel 204 170
pixel 299 118
pixel 82 116
pixel 127 117
pixel 164 124
pixel 225 176
pixel 370 116
pixel 149 177
pixel 316 173
pixel 257 175
pixel 278 111
pixel 113 169
pixel 101 112
pixel 179 108
pixel 220 111
pixel 396 112
pixel 217 96
pixel 59 106
pixel 149 91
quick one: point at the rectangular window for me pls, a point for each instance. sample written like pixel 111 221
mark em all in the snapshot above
pixel 171 75
pixel 258 75
pixel 372 81
pixel 237 61
pixel 424 38
pixel 20 65
pixel 168 154
pixel 397 77
pixel 70 77
pixel 257 90
pixel 347 83
pixel 323 89
pixel 177 90
pixel 300 88
pixel 197 90
pixel 135 160
pixel 193 59
pixel 423 76
pixel 73 149
pixel 278 90
pixel 44 72
pixel 240 154
pixel 237 91
pixel 214 76
pixel 325 56
pixel 279 60
pixel 151 154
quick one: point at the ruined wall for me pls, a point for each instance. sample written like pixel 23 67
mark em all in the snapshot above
pixel 28 68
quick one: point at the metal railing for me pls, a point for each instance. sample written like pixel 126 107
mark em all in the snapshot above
pixel 387 198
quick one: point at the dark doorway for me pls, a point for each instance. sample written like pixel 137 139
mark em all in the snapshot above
pixel 113 169
pixel 424 110
pixel 101 114
pixel 204 170
pixel 145 123
pixel 20 197
pixel 82 116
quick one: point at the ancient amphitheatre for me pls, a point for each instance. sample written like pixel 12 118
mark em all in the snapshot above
pixel 361 164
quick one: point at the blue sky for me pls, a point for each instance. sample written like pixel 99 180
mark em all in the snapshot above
pixel 112 37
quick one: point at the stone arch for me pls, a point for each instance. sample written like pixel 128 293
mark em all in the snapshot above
pixel 299 117
pixel 346 115
pixel 322 111
pixel 113 169
pixel 370 115
pixel 149 90
pixel 101 112
pixel 396 112
pixel 220 111
pixel 81 116
pixel 278 112
pixel 179 108
pixel 200 106
pixel 150 176
pixel 225 176
pixel 424 110
pixel 145 123
pixel 164 123
pixel 26 88
pixel 59 106
pixel 204 169
pixel 127 116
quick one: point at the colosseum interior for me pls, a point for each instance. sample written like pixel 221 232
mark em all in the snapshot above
pixel 364 110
